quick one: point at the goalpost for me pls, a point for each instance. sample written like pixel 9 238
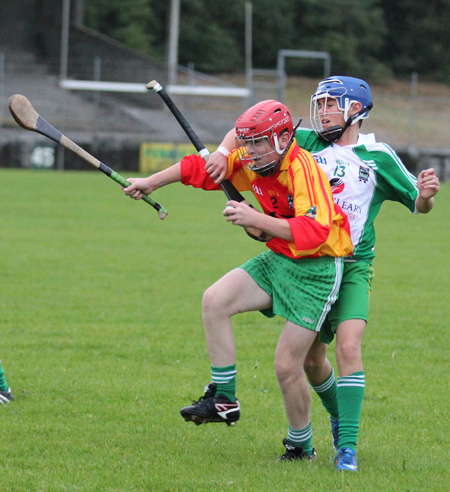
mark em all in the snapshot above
pixel 283 54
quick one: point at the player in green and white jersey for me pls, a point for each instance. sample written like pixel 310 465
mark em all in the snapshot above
pixel 363 174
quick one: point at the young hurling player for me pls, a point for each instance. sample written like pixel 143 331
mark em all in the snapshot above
pixel 363 174
pixel 298 278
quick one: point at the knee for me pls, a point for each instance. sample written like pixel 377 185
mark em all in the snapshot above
pixel 316 360
pixel 210 301
pixel 216 302
pixel 285 370
pixel 348 350
pixel 313 363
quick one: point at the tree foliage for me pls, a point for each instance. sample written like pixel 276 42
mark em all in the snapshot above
pixel 418 37
pixel 132 22
pixel 352 31
pixel 368 38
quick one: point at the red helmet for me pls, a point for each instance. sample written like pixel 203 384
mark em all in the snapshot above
pixel 266 119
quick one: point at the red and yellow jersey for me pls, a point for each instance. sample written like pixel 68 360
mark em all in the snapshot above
pixel 299 192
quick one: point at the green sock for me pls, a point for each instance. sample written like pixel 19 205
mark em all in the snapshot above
pixel 327 391
pixel 301 438
pixel 350 390
pixel 225 378
pixel 3 383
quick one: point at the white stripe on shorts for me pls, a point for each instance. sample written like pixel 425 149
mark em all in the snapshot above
pixel 333 294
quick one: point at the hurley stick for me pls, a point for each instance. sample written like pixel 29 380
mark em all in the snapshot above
pixel 28 118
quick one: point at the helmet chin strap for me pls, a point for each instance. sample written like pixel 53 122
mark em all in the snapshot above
pixel 283 152
pixel 334 133
pixel 269 169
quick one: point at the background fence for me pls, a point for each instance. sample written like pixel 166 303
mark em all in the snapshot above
pixel 411 116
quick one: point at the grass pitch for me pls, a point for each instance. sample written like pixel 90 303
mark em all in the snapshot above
pixel 102 343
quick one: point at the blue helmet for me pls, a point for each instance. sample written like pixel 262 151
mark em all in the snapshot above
pixel 346 91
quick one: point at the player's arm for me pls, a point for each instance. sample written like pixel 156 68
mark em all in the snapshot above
pixel 428 186
pixel 151 183
pixel 218 161
pixel 313 204
pixel 399 184
pixel 245 216
pixel 190 171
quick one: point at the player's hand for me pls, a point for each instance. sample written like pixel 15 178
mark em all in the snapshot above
pixel 240 214
pixel 217 166
pixel 428 184
pixel 138 187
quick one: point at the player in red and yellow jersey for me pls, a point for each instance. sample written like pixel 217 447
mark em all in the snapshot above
pixel 297 191
pixel 298 278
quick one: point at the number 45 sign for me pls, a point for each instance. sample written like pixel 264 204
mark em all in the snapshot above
pixel 43 157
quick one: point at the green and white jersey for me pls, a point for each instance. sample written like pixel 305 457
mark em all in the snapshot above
pixel 362 177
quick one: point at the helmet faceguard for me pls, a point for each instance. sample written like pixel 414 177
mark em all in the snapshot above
pixel 346 91
pixel 258 133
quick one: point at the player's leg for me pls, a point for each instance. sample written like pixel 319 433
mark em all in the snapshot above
pixel 318 368
pixel 349 335
pixel 351 380
pixel 321 376
pixel 290 354
pixel 236 292
pixel 314 288
pixel 351 384
pixel 349 315
pixel 350 325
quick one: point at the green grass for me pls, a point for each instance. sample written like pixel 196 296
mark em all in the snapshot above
pixel 102 343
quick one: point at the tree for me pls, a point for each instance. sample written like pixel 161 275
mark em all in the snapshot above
pixel 365 38
pixel 418 37
pixel 128 22
pixel 210 35
pixel 352 31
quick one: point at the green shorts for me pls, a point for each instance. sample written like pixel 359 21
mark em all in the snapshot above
pixel 302 291
pixel 353 301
